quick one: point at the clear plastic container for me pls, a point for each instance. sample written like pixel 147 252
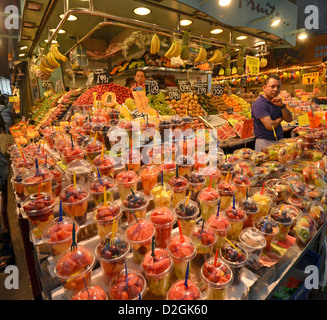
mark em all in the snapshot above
pixel 135 204
pixel 97 189
pixel 82 171
pixel 127 180
pixel 169 171
pixel 197 182
pixel 93 292
pixel 226 192
pixel 185 164
pixel 187 215
pixel 284 221
pixel 34 181
pixel 269 229
pixel 149 176
pixel 93 149
pixel 162 195
pixel 178 291
pixel 72 153
pixel 180 186
pixel 208 199
pixel 251 209
pixel 105 164
pixel 236 217
pixel 210 173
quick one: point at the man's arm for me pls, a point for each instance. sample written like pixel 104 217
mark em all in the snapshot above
pixel 268 123
pixel 286 113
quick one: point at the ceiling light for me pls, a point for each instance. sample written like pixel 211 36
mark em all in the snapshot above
pixel 53 41
pixel 142 11
pixel 185 22
pixel 241 38
pixel 21 55
pixel 70 17
pixel 23 47
pixel 260 43
pixel 224 3
pixel 302 36
pixel 216 31
pixel 275 22
pixel 60 31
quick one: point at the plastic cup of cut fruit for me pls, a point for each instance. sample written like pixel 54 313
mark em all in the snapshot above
pixel 72 153
pixel 105 164
pixel 74 202
pixel 254 242
pixel 269 229
pixel 178 291
pixel 39 210
pixel 157 271
pixel 226 192
pixel 135 286
pixel 236 217
pixel 242 184
pixel 135 204
pixel 97 189
pixel 57 235
pixel 132 159
pixel 210 173
pixel 281 187
pixel 208 199
pixel 293 211
pixel 182 251
pixel 264 202
pixel 251 209
pixel 179 185
pixel 185 163
pixel 140 236
pixel 104 215
pixel 187 215
pixel 82 170
pixel 112 253
pixel 169 171
pixel 217 277
pixel 127 180
pixel 162 195
pixel 284 221
pixel 93 149
pixel 16 181
pixel 33 179
pixel 74 269
pixel 220 225
pixel 149 176
pixel 197 182
pixel 93 292
pixel 163 220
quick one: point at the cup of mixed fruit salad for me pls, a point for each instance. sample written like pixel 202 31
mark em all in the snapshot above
pixel 236 216
pixel 280 186
pixel 236 257
pixel 182 251
pixel 254 242
pixel 39 209
pixel 208 199
pixel 251 209
pixel 129 284
pixel 264 200
pixel 149 176
pixel 16 181
pixel 162 195
pixel 58 178
pixel 269 229
pixel 242 184
pixel 180 186
pixel 179 291
pixel 105 164
pixel 103 215
pixel 140 234
pixel 163 220
pixel 211 174
pixel 57 235
pixel 97 189
pixel 217 276
pixel 156 270
pixel 36 180
pixel 261 174
pixel 226 191
pixel 82 170
pixel 220 225
pixel 111 252
pixel 168 170
pixel 74 200
pixel 132 159
pixel 284 221
pixel 74 269
pixel 225 166
pixel 293 211
pixel 135 204
pixel 71 153
pixel 187 215
pixel 93 149
pixel 127 181
pixel 93 292
pixel 197 182
pixel 185 163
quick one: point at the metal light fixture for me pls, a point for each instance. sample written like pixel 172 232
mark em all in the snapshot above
pixel 185 22
pixel 23 47
pixel 70 18
pixel 216 31
pixel 241 38
pixel 260 43
pixel 53 41
pixel 142 11
pixel 21 55
pixel 61 31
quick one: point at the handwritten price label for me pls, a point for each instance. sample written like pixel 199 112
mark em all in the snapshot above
pixel 201 88
pixel 217 90
pixel 252 65
pixel 184 86
pixel 173 93
pixel 247 129
pixel 151 87
pixel 310 78
pixel 101 76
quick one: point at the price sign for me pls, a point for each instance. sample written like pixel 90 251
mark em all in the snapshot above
pixel 303 120
pixel 310 78
pixel 201 88
pixel 151 86
pixel 217 90
pixel 173 93
pixel 46 84
pixel 141 101
pixel 252 65
pixel 230 110
pixel 101 76
pixel 247 130
pixel 184 86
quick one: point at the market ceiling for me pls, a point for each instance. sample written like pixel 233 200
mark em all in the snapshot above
pixel 164 13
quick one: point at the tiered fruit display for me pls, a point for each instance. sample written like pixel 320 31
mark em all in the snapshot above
pixel 23 133
pixel 212 104
pixel 225 132
pixel 231 102
pixel 160 104
pixel 189 102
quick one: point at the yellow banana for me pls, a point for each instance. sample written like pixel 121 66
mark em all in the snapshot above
pixel 171 49
pixel 178 49
pixel 54 49
pixel 157 43
pixel 214 57
pixel 219 56
pixel 52 60
pixel 152 50
pixel 45 69
pixel 201 56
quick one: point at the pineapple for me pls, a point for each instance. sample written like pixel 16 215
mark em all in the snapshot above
pixel 185 53
pixel 240 58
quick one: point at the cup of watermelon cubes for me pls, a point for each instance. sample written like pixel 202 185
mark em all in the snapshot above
pixel 127 180
pixel 70 154
pixel 156 270
pixel 140 234
pixel 178 291
pixel 58 235
pixel 105 164
pixel 93 292
pixel 217 277
pixel 208 199
pixel 39 210
pixel 131 288
pixel 187 215
pixel 220 225
pixel 111 253
pixel 182 251
pixel 73 267
pixel 74 202
pixel 163 220
pixel 97 189
pixel 33 180
pixel 93 149
pixel 132 159
pixel 104 215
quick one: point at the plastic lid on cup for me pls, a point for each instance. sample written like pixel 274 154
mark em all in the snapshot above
pixel 251 238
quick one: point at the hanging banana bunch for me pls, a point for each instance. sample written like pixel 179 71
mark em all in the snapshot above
pixel 263 62
pixel 202 56
pixel 155 44
pixel 174 50
pixel 57 54
pixel 217 57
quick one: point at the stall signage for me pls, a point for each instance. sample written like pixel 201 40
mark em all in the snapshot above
pixel 252 65
pixel 247 130
pixel 217 90
pixel 303 120
pixel 101 76
pixel 173 93
pixel 201 88
pixel 46 84
pixel 310 78
pixel 184 86
pixel 151 87
pixel 230 110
